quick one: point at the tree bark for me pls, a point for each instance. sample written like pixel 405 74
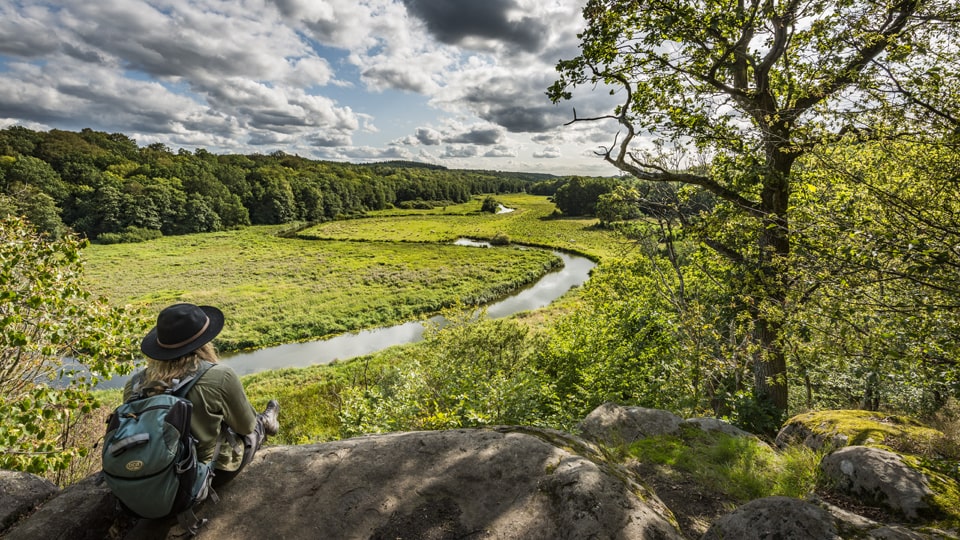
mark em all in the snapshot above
pixel 770 368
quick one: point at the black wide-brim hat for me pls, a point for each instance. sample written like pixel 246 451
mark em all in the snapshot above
pixel 180 330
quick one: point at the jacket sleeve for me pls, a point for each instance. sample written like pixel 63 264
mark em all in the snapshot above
pixel 237 411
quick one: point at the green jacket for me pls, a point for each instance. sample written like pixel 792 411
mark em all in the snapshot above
pixel 218 400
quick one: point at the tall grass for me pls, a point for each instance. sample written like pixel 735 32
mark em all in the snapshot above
pixel 744 468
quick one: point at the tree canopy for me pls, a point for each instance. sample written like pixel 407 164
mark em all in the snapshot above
pixel 109 189
pixel 754 87
pixel 46 315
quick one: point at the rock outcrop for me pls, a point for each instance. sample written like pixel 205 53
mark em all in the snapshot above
pixel 794 519
pixel 879 476
pixel 485 483
pixel 775 517
pixel 831 429
pixel 615 424
pixel 20 493
pixel 523 482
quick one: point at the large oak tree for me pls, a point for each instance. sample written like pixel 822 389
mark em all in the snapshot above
pixel 756 85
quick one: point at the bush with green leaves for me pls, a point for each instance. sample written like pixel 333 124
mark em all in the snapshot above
pixel 490 205
pixel 46 316
pixel 466 374
pixel 129 235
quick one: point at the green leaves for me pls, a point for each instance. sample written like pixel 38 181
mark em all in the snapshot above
pixel 755 87
pixel 875 262
pixel 46 315
pixel 466 374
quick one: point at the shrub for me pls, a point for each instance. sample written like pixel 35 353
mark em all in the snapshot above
pixel 490 205
pixel 48 316
pixel 129 235
pixel 500 239
pixel 466 374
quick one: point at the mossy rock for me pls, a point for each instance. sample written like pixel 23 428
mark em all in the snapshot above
pixel 941 477
pixel 920 446
pixel 822 430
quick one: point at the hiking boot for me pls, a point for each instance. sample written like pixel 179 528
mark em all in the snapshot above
pixel 271 424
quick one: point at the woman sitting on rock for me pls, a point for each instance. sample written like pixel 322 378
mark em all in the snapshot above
pixel 223 421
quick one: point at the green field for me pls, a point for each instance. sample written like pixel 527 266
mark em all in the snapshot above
pixel 341 276
pixel 530 223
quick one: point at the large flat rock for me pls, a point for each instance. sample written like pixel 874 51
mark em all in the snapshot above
pixel 502 483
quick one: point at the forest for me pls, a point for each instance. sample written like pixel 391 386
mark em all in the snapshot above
pixel 105 187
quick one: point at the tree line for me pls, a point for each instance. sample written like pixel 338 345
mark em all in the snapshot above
pixel 107 188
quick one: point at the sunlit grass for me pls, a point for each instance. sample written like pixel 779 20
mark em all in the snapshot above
pixel 343 276
pixel 531 223
pixel 281 290
pixel 394 266
pixel 744 468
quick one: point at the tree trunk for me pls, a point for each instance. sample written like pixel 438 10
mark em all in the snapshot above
pixel 770 368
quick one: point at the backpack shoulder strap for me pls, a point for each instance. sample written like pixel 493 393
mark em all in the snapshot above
pixel 183 387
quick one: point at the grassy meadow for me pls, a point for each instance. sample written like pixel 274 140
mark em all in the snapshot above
pixel 336 277
pixel 341 276
pixel 531 223
pixel 279 290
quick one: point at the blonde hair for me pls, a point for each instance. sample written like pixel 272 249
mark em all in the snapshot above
pixel 168 370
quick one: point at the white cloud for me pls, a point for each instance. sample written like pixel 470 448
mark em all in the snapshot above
pixel 429 137
pixel 549 152
pixel 501 151
pixel 299 75
pixel 460 151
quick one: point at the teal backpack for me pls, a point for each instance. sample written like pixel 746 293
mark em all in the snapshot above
pixel 150 457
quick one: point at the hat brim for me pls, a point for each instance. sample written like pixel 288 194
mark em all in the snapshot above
pixel 151 348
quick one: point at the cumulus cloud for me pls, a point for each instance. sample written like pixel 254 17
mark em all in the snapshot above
pixel 25 36
pixel 429 137
pixel 457 22
pixel 501 151
pixel 513 98
pixel 546 138
pixel 456 151
pixel 330 139
pixel 481 136
pixel 549 152
pixel 387 76
pixel 296 75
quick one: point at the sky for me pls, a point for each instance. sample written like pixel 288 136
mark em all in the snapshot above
pixel 458 83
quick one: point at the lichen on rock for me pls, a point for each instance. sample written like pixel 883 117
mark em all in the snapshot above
pixel 822 430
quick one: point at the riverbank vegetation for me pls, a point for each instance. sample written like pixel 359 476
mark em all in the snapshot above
pixel 281 289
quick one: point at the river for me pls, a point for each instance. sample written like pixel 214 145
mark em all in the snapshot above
pixel 575 272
